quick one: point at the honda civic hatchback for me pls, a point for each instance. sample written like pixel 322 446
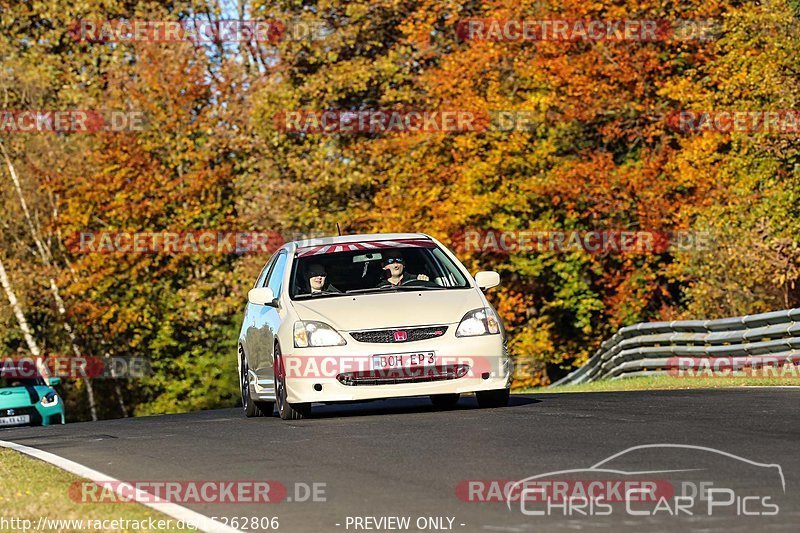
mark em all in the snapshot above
pixel 364 317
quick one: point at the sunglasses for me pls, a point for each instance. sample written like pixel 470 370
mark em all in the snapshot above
pixel 393 260
pixel 317 274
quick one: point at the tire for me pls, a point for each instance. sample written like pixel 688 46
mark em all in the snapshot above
pixel 286 410
pixel 492 398
pixel 251 407
pixel 444 401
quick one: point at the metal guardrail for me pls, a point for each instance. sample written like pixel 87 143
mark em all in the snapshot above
pixel 651 347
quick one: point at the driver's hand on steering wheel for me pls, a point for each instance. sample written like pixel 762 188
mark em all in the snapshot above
pixel 423 277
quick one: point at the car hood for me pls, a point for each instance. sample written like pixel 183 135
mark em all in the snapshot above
pixel 20 396
pixel 390 310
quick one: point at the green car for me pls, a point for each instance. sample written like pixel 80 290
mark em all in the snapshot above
pixel 29 401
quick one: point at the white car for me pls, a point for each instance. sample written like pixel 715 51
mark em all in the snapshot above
pixel 363 317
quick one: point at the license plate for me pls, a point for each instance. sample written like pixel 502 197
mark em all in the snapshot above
pixel 391 361
pixel 14 420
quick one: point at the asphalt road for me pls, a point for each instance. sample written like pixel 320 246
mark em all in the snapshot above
pixel 401 458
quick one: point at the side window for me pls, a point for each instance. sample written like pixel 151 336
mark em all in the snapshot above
pixel 263 276
pixel 275 279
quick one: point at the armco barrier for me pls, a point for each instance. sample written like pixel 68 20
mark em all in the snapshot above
pixel 648 348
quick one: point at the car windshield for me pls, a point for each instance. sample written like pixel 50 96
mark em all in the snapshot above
pixel 358 268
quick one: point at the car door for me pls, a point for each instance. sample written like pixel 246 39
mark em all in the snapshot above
pixel 249 331
pixel 267 320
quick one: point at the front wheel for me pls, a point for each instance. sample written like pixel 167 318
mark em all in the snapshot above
pixel 492 398
pixel 286 410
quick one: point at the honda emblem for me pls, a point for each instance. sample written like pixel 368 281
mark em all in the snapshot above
pixel 400 336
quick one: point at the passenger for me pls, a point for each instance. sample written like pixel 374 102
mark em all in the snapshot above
pixel 394 265
pixel 318 279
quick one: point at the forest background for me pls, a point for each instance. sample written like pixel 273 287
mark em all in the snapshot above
pixel 600 155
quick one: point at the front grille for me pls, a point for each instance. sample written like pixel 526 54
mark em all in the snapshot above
pixel 403 376
pixel 36 418
pixel 388 335
pixel 19 411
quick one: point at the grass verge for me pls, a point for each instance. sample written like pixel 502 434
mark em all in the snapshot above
pixel 664 383
pixel 30 489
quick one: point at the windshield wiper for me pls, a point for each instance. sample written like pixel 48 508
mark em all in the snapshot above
pixel 317 295
pixel 369 289
pixel 418 287
pixel 386 288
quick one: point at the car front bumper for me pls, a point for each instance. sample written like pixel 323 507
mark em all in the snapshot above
pixel 315 374
pixel 38 415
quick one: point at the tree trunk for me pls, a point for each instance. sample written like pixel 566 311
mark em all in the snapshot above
pixel 23 323
pixel 27 334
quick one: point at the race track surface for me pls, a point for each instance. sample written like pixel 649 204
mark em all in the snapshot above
pixel 401 458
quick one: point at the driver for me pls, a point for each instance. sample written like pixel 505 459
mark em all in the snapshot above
pixel 318 279
pixel 394 267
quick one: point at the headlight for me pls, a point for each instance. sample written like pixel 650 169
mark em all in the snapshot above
pixel 312 333
pixel 50 399
pixel 481 321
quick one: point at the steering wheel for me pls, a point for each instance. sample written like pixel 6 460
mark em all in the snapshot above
pixel 418 283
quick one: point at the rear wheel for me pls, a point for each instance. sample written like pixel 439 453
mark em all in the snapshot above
pixel 492 398
pixel 444 401
pixel 251 408
pixel 286 410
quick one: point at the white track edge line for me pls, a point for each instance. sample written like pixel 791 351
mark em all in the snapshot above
pixel 201 521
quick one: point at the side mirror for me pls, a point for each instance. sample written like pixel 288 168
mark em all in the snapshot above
pixel 486 279
pixel 262 296
pixel 53 381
